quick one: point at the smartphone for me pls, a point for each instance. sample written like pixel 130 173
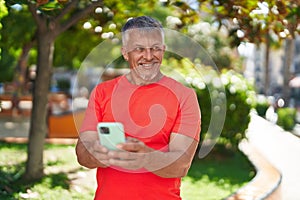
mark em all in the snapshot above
pixel 111 134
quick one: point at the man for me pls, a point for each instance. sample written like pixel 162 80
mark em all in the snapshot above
pixel 161 118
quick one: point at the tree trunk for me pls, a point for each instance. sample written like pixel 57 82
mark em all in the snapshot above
pixel 288 59
pixel 38 125
pixel 20 75
pixel 267 68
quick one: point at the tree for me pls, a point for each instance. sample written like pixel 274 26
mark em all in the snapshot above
pixel 24 37
pixel 49 26
pixel 2 14
pixel 258 22
pixel 51 19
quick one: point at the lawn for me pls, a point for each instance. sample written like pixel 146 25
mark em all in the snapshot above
pixel 216 177
pixel 211 178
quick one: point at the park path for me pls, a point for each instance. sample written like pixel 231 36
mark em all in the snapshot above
pixel 280 148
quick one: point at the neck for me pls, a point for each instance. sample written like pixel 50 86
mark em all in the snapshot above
pixel 139 81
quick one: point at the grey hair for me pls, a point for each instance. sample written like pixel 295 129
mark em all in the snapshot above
pixel 144 23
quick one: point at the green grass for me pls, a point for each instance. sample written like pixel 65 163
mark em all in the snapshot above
pixel 216 177
pixel 212 178
pixel 61 168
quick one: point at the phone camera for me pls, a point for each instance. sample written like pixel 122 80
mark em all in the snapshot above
pixel 104 130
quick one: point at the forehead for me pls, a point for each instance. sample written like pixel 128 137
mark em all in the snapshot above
pixel 144 36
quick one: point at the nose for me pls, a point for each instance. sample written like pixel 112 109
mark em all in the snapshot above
pixel 148 53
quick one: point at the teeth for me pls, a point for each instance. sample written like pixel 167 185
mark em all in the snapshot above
pixel 147 65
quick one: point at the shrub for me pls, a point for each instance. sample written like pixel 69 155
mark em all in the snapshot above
pixel 261 109
pixel 261 106
pixel 286 118
pixel 233 90
pixel 240 97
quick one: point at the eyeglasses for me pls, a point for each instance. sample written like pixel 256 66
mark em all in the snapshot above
pixel 154 49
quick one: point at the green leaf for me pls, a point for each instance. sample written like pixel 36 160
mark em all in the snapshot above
pixel 53 5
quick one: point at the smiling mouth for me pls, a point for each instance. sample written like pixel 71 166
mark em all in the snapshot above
pixel 147 65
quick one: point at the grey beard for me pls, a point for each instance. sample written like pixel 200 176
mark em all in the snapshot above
pixel 146 76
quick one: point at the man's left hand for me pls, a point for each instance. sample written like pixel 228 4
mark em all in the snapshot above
pixel 133 155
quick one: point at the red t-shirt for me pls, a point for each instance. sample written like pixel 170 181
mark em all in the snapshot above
pixel 150 113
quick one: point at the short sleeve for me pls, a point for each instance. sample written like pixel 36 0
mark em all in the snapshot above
pixel 188 121
pixel 92 114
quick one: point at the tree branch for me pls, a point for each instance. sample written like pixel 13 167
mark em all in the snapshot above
pixel 66 9
pixel 33 9
pixel 77 16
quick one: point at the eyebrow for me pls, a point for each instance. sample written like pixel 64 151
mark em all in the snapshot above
pixel 141 45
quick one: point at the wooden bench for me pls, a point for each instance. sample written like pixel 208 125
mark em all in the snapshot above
pixel 8 107
pixel 65 125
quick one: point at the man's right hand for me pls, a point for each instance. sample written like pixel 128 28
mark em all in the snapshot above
pixel 89 151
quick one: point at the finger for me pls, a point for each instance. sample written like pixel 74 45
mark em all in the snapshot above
pixel 121 155
pixel 132 147
pixel 131 139
pixel 127 164
pixel 104 159
pixel 100 152
pixel 99 148
pixel 128 157
pixel 105 162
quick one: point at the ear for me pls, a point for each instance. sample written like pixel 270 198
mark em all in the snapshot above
pixel 164 48
pixel 124 53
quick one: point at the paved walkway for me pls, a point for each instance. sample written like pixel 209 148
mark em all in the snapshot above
pixel 14 127
pixel 280 148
